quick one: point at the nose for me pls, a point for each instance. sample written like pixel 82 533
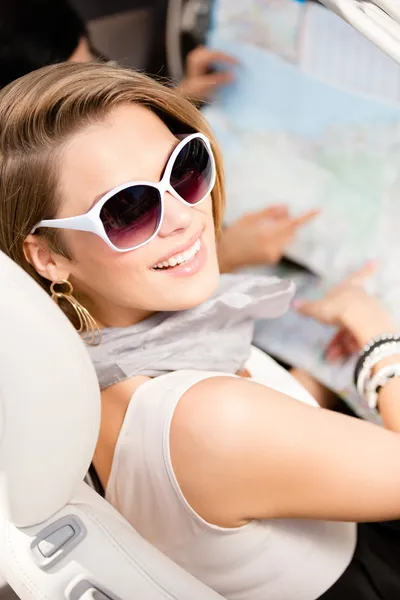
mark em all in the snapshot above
pixel 177 216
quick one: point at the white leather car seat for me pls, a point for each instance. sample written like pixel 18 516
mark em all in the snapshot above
pixel 60 540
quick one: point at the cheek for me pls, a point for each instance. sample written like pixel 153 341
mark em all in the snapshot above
pixel 205 212
pixel 206 207
pixel 99 268
pixel 88 249
pixel 209 235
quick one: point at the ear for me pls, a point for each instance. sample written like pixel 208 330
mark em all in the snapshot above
pixel 53 267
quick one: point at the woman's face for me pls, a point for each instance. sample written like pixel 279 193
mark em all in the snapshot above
pixel 132 144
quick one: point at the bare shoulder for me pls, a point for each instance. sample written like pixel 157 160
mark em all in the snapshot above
pixel 215 407
pixel 222 404
pixel 213 424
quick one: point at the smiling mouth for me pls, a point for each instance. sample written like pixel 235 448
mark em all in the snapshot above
pixel 181 258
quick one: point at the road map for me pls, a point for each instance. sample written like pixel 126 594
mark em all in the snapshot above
pixel 312 120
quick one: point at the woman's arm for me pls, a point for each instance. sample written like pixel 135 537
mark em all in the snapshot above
pixel 261 455
pixel 242 451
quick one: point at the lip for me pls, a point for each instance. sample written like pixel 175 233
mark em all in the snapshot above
pixel 180 249
pixel 189 268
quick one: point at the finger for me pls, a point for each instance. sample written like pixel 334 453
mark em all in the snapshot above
pixel 203 87
pixel 203 59
pixel 304 218
pixel 278 227
pixel 285 225
pixel 219 56
pixel 312 309
pixel 349 344
pixel 276 211
pixel 271 213
pixel 344 350
pixel 333 348
pixel 337 353
pixel 216 80
pixel 358 277
pixel 342 345
pixel 334 353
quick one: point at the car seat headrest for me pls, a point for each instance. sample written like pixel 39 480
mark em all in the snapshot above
pixel 49 402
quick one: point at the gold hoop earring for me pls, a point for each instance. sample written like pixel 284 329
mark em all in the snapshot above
pixel 88 327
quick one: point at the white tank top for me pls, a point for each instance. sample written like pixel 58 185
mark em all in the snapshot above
pixel 263 560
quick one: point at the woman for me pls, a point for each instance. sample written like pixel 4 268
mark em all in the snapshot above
pixel 110 198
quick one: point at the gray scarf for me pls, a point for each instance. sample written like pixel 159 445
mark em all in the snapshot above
pixel 215 336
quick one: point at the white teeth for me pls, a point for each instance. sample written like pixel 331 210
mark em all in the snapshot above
pixel 180 258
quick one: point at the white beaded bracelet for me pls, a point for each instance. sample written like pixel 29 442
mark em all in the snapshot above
pixel 382 377
pixel 381 352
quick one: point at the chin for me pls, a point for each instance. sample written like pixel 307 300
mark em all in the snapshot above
pixel 189 283
pixel 200 291
pixel 192 291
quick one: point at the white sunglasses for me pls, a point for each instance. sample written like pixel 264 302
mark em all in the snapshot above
pixel 131 214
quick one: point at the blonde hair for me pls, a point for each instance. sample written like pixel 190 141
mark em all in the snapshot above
pixel 41 111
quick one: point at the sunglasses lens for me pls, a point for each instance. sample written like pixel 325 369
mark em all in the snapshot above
pixel 131 216
pixel 193 172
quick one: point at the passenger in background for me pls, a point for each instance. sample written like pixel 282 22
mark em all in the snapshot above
pixel 35 33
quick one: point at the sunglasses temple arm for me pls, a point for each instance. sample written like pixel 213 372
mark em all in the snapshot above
pixel 75 223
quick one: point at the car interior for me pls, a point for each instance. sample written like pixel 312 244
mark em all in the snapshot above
pixel 59 538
